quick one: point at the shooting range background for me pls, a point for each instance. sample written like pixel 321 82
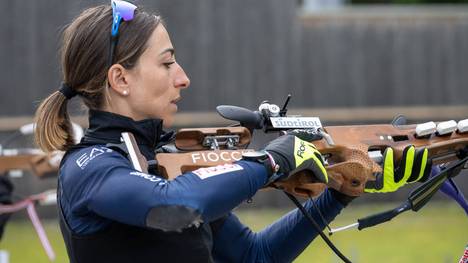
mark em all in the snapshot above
pixel 357 65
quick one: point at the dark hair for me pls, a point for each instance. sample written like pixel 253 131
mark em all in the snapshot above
pixel 84 58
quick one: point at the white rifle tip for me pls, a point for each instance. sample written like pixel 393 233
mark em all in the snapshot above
pixel 463 126
pixel 48 198
pixel 426 128
pixel 27 128
pixel 446 127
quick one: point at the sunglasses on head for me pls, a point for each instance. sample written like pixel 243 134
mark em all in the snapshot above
pixel 120 10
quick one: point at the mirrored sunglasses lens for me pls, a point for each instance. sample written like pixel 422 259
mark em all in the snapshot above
pixel 125 9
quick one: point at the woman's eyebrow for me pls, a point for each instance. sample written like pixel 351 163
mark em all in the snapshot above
pixel 171 50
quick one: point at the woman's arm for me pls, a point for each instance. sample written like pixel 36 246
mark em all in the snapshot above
pixel 107 186
pixel 282 241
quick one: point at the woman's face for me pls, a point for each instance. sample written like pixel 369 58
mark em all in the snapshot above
pixel 156 81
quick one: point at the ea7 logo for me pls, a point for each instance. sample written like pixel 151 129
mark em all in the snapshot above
pixel 85 158
pixel 301 150
pixel 95 152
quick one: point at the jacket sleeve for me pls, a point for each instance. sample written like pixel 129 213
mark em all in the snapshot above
pixel 282 241
pixel 110 188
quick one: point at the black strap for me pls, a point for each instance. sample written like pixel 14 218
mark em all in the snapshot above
pixel 317 228
pixel 67 91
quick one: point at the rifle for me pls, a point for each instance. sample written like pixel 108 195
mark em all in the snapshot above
pixel 31 159
pixel 352 153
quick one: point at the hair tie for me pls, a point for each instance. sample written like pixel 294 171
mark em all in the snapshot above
pixel 67 91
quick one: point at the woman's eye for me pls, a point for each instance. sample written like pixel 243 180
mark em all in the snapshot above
pixel 168 64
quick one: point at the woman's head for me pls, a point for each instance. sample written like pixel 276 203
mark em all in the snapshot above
pixel 126 87
pixel 152 87
pixel 86 46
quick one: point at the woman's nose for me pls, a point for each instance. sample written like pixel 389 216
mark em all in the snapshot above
pixel 181 81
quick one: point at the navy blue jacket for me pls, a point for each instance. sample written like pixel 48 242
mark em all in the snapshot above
pixel 99 186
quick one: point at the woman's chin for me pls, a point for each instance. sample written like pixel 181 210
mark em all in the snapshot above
pixel 167 122
pixel 174 106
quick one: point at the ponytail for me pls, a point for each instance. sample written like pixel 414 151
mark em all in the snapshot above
pixel 53 126
pixel 84 52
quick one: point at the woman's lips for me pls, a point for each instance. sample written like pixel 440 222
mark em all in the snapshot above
pixel 176 100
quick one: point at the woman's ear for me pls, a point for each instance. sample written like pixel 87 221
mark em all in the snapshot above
pixel 118 79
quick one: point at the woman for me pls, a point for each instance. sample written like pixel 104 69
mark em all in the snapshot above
pixel 112 213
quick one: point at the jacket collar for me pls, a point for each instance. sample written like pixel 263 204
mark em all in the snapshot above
pixel 106 127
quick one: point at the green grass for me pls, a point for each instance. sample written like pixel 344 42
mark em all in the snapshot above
pixel 21 241
pixel 438 233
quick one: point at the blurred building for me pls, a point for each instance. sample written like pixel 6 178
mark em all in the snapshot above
pixel 244 52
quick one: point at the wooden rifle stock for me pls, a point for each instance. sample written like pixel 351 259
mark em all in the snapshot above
pixel 350 165
pixel 32 160
pixel 347 154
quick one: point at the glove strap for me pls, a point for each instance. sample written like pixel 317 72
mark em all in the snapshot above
pixel 264 158
pixel 275 176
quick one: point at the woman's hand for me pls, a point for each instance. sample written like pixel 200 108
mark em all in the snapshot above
pixel 413 167
pixel 291 155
